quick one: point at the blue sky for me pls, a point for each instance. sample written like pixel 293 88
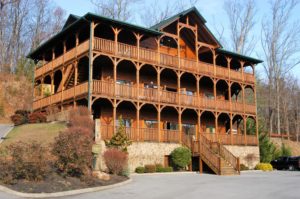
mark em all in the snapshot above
pixel 212 11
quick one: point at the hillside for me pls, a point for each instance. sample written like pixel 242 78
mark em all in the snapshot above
pixel 295 147
pixel 44 133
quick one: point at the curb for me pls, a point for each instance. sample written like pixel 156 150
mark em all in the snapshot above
pixel 63 193
pixel 163 173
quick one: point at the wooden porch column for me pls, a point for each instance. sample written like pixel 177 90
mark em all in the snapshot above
pixel 199 125
pixel 138 137
pixel 180 125
pixel 114 114
pixel 160 137
pixel 231 135
pixel 245 130
pixel 158 84
pixel 200 165
pixel 115 76
pixel 178 87
pixel 91 60
pixel 216 127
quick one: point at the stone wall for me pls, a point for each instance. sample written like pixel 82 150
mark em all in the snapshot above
pixel 249 155
pixel 142 153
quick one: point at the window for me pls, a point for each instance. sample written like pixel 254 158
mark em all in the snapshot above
pixel 151 85
pixel 210 129
pixel 189 129
pixel 209 95
pixel 170 126
pixel 123 82
pixel 126 122
pixel 150 123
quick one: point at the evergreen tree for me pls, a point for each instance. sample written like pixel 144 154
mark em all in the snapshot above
pixel 119 140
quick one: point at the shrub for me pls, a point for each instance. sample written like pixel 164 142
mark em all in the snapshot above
pixel 6 171
pixel 285 150
pixel 73 150
pixel 164 169
pixel 140 170
pixel 243 167
pixel 115 160
pixel 81 117
pixel 28 161
pixel 159 167
pixel 264 167
pixel 181 157
pixel 150 168
pixel 119 140
pixel 37 117
pixel 18 119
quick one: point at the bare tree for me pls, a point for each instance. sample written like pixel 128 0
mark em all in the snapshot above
pixel 156 12
pixel 115 9
pixel 280 43
pixel 242 21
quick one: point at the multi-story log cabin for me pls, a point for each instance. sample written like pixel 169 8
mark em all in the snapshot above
pixel 172 83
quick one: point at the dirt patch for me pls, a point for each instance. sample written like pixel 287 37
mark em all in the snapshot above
pixel 56 183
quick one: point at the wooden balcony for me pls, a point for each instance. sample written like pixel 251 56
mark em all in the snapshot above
pixel 235 139
pixel 104 88
pixel 58 97
pixel 64 58
pixel 152 56
pixel 173 136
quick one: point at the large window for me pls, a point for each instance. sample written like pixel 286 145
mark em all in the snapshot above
pixel 126 122
pixel 170 126
pixel 189 129
pixel 150 123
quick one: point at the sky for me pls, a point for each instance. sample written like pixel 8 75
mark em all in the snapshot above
pixel 211 10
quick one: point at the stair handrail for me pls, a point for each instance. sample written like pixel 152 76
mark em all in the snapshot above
pixel 229 157
pixel 206 151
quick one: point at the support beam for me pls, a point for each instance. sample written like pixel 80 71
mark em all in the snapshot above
pixel 91 59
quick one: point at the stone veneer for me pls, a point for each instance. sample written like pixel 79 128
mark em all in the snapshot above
pixel 142 153
pixel 249 155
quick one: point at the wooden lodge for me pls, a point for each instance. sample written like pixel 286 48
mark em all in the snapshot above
pixel 172 83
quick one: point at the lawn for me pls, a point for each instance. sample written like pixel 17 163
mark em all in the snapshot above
pixel 44 133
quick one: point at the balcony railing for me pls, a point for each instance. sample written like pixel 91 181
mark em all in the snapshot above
pixel 111 89
pixel 57 62
pixel 154 95
pixel 173 136
pixel 235 139
pixel 154 57
pixel 61 96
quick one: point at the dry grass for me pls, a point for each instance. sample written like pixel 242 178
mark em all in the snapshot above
pixel 295 146
pixel 43 133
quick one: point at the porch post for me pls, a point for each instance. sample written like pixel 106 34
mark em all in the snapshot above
pixel 138 137
pixel 216 126
pixel 245 130
pixel 180 126
pixel 231 135
pixel 91 59
pixel 160 137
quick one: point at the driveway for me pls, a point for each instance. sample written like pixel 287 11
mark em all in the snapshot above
pixel 4 129
pixel 256 185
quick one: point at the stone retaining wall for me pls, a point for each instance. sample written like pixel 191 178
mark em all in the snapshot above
pixel 142 153
pixel 249 155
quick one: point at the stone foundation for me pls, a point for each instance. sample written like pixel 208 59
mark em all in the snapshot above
pixel 249 155
pixel 142 153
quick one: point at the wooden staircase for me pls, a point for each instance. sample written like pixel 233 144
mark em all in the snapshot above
pixel 215 155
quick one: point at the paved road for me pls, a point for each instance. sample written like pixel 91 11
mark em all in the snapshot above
pixel 257 185
pixel 4 129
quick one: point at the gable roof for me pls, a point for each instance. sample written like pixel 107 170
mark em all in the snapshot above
pixel 72 18
pixel 191 10
pixel 74 21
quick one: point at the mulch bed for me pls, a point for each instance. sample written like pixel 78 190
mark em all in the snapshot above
pixel 56 183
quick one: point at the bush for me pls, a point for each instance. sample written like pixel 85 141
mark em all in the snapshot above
pixel 181 157
pixel 73 150
pixel 140 170
pixel 27 161
pixel 164 169
pixel 264 167
pixel 150 168
pixel 115 160
pixel 285 151
pixel 81 117
pixel 37 117
pixel 243 167
pixel 18 119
